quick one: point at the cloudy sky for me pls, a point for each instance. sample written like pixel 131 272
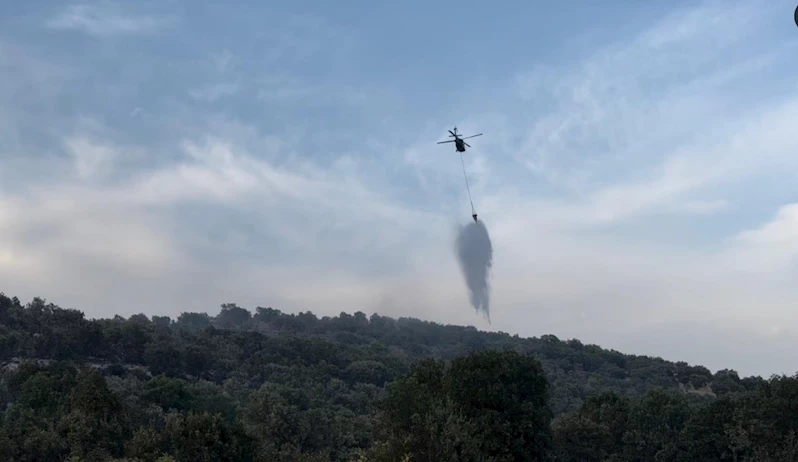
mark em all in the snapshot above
pixel 638 172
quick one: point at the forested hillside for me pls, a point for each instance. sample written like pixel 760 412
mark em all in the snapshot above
pixel 273 386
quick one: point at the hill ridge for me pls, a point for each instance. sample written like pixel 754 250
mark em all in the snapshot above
pixel 575 370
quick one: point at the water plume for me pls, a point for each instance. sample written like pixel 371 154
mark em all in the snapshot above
pixel 475 254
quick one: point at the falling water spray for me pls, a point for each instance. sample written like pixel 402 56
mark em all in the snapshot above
pixel 475 254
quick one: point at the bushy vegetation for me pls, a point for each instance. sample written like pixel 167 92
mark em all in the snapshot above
pixel 267 386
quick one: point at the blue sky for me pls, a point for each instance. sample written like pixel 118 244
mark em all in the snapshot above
pixel 637 172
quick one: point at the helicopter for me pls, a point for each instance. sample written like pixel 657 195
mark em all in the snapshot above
pixel 459 144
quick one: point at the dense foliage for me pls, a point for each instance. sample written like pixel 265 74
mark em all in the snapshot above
pixel 272 386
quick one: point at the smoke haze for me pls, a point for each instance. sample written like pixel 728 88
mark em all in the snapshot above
pixel 475 254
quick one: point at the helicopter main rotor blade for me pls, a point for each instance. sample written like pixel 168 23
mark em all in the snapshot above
pixel 466 144
pixel 467 137
pixel 452 133
pixel 449 141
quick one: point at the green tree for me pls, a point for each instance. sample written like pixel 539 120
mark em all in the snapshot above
pixel 506 394
pixel 203 437
pixel 490 405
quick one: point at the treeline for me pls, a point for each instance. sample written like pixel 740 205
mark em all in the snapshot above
pixel 274 386
pixel 190 345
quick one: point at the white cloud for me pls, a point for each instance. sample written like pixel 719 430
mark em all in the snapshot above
pixel 771 248
pixel 781 232
pixel 128 223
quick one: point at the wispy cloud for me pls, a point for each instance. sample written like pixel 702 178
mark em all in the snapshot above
pixel 286 90
pixel 644 125
pixel 90 158
pixel 103 19
pixel 301 37
pixel 211 93
pixel 641 101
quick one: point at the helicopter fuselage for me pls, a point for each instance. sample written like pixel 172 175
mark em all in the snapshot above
pixel 459 145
